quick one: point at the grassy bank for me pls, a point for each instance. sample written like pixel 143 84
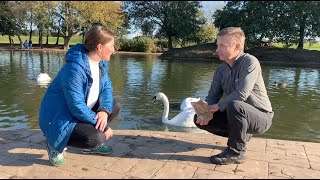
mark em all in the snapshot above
pixel 35 40
pixel 306 46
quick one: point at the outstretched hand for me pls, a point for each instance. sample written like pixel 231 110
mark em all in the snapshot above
pixel 102 118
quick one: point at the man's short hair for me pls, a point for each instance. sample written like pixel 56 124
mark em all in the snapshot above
pixel 236 33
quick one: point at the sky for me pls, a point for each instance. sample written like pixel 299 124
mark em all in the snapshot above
pixel 208 7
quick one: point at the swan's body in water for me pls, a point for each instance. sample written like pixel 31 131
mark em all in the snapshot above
pixel 43 78
pixel 184 118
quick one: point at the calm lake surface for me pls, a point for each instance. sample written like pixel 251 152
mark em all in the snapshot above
pixel 136 78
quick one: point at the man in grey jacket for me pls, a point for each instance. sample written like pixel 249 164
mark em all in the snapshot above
pixel 245 108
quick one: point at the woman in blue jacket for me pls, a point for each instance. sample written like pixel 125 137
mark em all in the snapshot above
pixel 78 105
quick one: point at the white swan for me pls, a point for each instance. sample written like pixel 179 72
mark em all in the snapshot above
pixel 183 119
pixel 43 78
pixel 186 103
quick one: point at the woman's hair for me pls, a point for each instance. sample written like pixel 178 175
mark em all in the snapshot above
pixel 97 35
pixel 236 33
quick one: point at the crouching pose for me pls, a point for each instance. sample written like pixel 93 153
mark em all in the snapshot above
pixel 78 106
pixel 246 108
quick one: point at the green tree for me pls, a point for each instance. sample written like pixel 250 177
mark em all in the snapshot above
pixel 286 21
pixel 12 19
pixel 78 16
pixel 173 19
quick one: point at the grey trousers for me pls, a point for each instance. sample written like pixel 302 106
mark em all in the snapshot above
pixel 236 122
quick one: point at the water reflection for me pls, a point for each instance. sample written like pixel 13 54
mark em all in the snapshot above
pixel 136 78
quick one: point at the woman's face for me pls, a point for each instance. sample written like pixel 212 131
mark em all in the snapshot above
pixel 106 50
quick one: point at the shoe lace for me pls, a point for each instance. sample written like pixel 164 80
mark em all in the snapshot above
pixel 97 148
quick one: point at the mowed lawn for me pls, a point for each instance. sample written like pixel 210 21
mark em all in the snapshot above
pixel 307 46
pixel 78 39
pixel 35 40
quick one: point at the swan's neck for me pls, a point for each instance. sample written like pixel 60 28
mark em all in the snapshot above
pixel 165 108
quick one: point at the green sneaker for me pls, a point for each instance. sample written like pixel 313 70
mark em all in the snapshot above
pixel 55 157
pixel 102 149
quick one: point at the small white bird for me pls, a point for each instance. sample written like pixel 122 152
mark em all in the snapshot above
pixel 43 78
pixel 183 119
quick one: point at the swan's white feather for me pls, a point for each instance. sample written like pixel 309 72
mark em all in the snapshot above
pixel 183 119
pixel 186 103
pixel 43 77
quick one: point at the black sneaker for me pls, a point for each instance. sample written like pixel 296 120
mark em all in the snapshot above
pixel 227 156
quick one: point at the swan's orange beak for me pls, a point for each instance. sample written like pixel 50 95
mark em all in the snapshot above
pixel 154 99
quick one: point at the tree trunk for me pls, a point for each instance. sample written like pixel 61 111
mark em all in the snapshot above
pixel 20 40
pixel 57 42
pixel 30 36
pixel 47 37
pixel 301 31
pixel 169 42
pixel 10 40
pixel 40 37
pixel 69 28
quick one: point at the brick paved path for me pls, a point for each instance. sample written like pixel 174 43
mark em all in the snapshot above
pixel 155 154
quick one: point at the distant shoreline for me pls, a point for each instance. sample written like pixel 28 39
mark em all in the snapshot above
pixel 58 49
pixel 266 55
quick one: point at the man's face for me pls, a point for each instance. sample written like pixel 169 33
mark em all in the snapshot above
pixel 226 49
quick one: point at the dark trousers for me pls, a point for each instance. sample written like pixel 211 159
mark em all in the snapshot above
pixel 86 136
pixel 236 122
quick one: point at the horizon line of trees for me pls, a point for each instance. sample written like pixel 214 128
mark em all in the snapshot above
pixel 288 22
pixel 176 22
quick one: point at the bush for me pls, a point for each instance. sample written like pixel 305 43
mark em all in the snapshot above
pixel 137 44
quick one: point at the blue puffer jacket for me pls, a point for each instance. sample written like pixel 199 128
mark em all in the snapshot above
pixel 64 103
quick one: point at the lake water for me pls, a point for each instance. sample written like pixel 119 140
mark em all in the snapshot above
pixel 136 78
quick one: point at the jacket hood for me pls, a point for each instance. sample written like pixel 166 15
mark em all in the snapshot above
pixel 78 54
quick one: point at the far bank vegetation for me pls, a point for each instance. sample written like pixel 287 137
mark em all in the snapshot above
pixel 161 25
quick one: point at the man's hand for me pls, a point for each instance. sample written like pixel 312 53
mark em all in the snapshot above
pixel 202 120
pixel 213 108
pixel 109 133
pixel 102 118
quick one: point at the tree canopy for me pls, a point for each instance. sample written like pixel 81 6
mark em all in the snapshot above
pixel 284 21
pixel 173 19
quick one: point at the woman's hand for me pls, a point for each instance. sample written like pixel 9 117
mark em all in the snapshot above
pixel 108 134
pixel 102 118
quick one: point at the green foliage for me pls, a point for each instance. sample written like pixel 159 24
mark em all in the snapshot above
pixel 286 21
pixel 174 19
pixel 207 34
pixel 138 44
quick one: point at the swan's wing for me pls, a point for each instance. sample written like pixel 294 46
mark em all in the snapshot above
pixel 186 103
pixel 184 118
